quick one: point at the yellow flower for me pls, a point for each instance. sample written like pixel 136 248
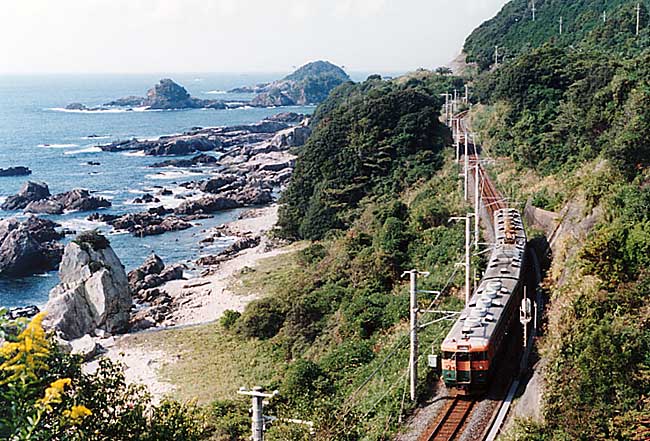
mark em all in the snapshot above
pixel 26 356
pixel 53 394
pixel 77 413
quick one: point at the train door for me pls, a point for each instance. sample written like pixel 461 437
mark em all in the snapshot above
pixel 463 367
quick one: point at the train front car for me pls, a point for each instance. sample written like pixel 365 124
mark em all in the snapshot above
pixel 476 340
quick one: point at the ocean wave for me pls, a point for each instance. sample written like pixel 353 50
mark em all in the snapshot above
pixel 80 224
pixel 106 110
pixel 175 174
pixel 216 92
pixel 57 146
pixel 135 153
pixel 85 150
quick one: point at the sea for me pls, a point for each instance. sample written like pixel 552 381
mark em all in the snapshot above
pixel 57 145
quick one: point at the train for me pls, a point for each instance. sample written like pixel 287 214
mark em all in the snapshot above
pixel 479 338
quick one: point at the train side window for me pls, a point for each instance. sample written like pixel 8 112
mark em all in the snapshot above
pixel 479 356
pixel 462 356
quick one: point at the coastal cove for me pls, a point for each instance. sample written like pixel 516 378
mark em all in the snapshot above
pixel 60 148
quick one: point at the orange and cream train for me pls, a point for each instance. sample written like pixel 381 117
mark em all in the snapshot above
pixel 478 339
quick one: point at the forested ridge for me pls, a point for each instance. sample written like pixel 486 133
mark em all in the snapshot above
pixel 607 26
pixel 570 113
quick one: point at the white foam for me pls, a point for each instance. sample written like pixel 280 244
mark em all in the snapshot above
pixel 80 224
pixel 175 174
pixel 216 92
pixel 106 110
pixel 57 146
pixel 86 150
pixel 135 153
pixel 2 199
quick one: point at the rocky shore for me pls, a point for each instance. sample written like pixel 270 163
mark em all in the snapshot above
pixel 35 197
pixel 255 160
pixel 96 301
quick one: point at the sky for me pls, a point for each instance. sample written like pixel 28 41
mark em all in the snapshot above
pixel 147 36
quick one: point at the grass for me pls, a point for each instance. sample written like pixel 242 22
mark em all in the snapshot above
pixel 208 363
pixel 268 275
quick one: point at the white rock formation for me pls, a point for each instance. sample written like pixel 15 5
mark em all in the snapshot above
pixel 93 294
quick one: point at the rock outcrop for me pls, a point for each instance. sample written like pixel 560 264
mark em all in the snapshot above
pixel 35 197
pixel 94 291
pixel 310 84
pixel 154 304
pixel 73 200
pixel 29 192
pixel 201 159
pixel 153 273
pixel 28 247
pixel 201 140
pixel 15 171
pixel 167 95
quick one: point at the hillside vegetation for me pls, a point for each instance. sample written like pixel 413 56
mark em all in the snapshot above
pixel 572 115
pixel 515 32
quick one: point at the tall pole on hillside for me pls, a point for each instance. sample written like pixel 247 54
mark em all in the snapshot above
pixel 604 16
pixel 447 121
pixel 468 240
pixel 638 18
pixel 477 201
pixel 413 353
pixel 457 138
pixel 534 10
pixel 466 94
pixel 466 162
pixel 258 418
pixel 561 23
pixel 496 56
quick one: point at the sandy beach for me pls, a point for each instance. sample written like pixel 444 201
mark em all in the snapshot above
pixel 200 300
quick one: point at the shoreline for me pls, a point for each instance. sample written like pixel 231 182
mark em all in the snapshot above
pixel 202 300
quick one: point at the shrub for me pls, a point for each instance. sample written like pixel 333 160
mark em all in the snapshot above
pixel 229 318
pixel 231 419
pixel 44 395
pixel 262 318
pixel 303 380
pixel 92 238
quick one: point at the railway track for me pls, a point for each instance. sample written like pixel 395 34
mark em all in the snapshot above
pixel 451 424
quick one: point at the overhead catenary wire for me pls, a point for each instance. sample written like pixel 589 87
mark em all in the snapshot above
pixel 348 405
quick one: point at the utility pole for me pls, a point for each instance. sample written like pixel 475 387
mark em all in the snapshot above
pixel 477 200
pixel 455 100
pixel 447 108
pixel 468 239
pixel 466 162
pixel 466 94
pixel 413 353
pixel 258 417
pixel 457 138
pixel 604 16
pixel 638 18
pixel 496 56
pixel 534 10
pixel 561 22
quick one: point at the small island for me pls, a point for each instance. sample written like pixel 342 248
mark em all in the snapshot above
pixel 310 84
